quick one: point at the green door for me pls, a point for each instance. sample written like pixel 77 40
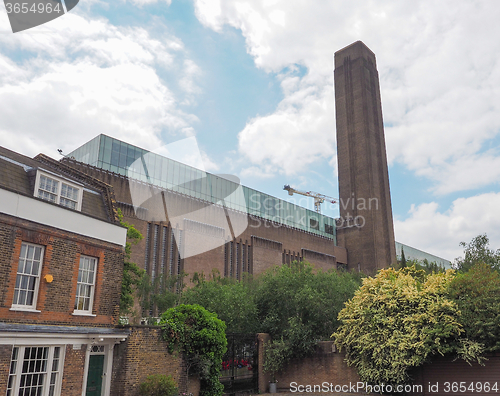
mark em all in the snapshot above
pixel 94 376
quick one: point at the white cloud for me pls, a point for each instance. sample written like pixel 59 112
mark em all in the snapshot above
pixel 85 77
pixel 255 172
pixel 440 232
pixel 299 133
pixel 439 66
pixel 145 2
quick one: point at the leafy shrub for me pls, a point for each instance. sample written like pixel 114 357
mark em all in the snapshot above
pixel 477 295
pixel 399 320
pixel 158 385
pixel 200 335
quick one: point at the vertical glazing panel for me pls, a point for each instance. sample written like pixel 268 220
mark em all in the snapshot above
pixel 108 142
pixel 208 187
pixel 164 170
pixel 158 166
pixel 175 171
pixel 123 148
pixel 182 178
pixel 198 188
pixel 115 153
pixel 189 180
pixel 106 156
pixel 217 189
pixel 170 173
pixel 255 202
pixel 122 163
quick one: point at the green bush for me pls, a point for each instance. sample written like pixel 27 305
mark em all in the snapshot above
pixel 399 320
pixel 201 337
pixel 158 385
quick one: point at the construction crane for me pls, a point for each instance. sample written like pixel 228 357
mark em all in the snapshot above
pixel 318 198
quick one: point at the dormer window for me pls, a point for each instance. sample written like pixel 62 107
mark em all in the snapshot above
pixel 58 190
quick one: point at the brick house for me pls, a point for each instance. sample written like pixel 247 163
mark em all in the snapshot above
pixel 61 265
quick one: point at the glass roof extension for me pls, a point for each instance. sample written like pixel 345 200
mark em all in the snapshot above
pixel 116 156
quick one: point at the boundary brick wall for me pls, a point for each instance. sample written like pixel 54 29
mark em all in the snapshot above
pixel 326 365
pixel 446 369
pixel 142 354
pixel 329 366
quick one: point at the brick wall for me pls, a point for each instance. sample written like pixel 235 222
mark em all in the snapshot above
pixel 434 376
pixel 72 380
pixel 142 354
pixel 61 260
pixel 5 356
pixel 326 365
pixel 266 253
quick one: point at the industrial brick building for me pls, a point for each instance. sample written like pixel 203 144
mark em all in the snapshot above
pixel 61 245
pixel 201 222
pixel 194 221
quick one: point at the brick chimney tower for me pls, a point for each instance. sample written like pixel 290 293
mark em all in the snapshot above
pixel 365 227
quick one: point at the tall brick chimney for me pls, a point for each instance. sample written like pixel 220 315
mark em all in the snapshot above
pixel 366 226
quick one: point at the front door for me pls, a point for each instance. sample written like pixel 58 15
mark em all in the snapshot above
pixel 94 376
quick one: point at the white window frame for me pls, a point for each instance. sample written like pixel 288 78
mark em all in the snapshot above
pixel 17 365
pixel 81 282
pixel 57 193
pixel 22 261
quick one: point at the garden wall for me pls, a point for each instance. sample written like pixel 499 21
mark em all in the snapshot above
pixel 326 366
pixel 142 354
pixel 445 376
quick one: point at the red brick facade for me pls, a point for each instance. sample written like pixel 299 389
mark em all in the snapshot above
pixel 51 254
pixel 61 260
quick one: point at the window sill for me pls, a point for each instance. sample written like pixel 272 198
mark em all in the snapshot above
pixel 82 313
pixel 23 309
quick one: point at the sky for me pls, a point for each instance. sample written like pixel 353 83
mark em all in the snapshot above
pixel 252 82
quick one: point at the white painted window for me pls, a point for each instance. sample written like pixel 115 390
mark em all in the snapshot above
pixel 36 370
pixel 58 190
pixel 85 285
pixel 28 276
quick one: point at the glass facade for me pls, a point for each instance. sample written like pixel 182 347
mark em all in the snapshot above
pixel 116 156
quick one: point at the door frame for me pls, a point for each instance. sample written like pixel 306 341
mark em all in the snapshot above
pixel 107 366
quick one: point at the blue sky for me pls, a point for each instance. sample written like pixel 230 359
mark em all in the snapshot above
pixel 253 82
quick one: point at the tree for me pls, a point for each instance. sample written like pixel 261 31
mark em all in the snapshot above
pixel 299 307
pixel 159 294
pixel 477 294
pixel 403 258
pixel 398 320
pixel 201 337
pixel 478 251
pixel 232 301
pixel 296 292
